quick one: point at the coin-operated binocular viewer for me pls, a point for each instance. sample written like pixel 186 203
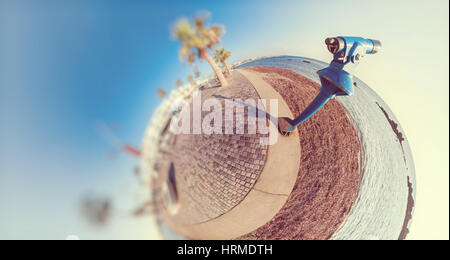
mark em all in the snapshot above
pixel 337 78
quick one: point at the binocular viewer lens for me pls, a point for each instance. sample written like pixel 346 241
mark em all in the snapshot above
pixel 334 44
pixel 337 44
pixel 376 46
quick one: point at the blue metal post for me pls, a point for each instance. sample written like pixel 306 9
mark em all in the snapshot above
pixel 337 78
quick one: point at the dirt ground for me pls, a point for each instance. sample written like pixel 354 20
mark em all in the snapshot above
pixel 329 176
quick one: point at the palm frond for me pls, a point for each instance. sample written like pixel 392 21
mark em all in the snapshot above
pixel 219 30
pixel 196 38
pixel 182 30
pixel 221 55
pixel 191 58
pixel 184 50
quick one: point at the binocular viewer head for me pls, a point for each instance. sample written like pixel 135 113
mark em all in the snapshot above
pixel 347 52
pixel 337 78
pixel 338 44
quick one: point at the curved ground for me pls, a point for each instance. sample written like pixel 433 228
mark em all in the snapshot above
pixel 328 179
pixel 213 173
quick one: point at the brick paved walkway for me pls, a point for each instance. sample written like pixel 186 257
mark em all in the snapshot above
pixel 229 185
pixel 215 172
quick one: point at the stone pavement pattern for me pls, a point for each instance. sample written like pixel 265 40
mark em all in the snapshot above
pixel 215 172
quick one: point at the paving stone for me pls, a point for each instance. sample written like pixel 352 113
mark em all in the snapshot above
pixel 215 172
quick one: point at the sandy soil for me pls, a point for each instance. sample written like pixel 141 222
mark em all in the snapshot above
pixel 329 175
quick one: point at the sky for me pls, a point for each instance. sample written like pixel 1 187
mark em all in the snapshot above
pixel 67 67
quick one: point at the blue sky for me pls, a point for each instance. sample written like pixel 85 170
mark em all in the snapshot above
pixel 65 66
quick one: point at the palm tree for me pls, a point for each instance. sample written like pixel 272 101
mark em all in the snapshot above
pixel 199 37
pixel 196 72
pixel 221 56
pixel 191 80
pixel 161 92
pixel 179 83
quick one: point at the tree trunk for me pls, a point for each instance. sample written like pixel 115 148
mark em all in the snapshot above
pixel 228 67
pixel 203 53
